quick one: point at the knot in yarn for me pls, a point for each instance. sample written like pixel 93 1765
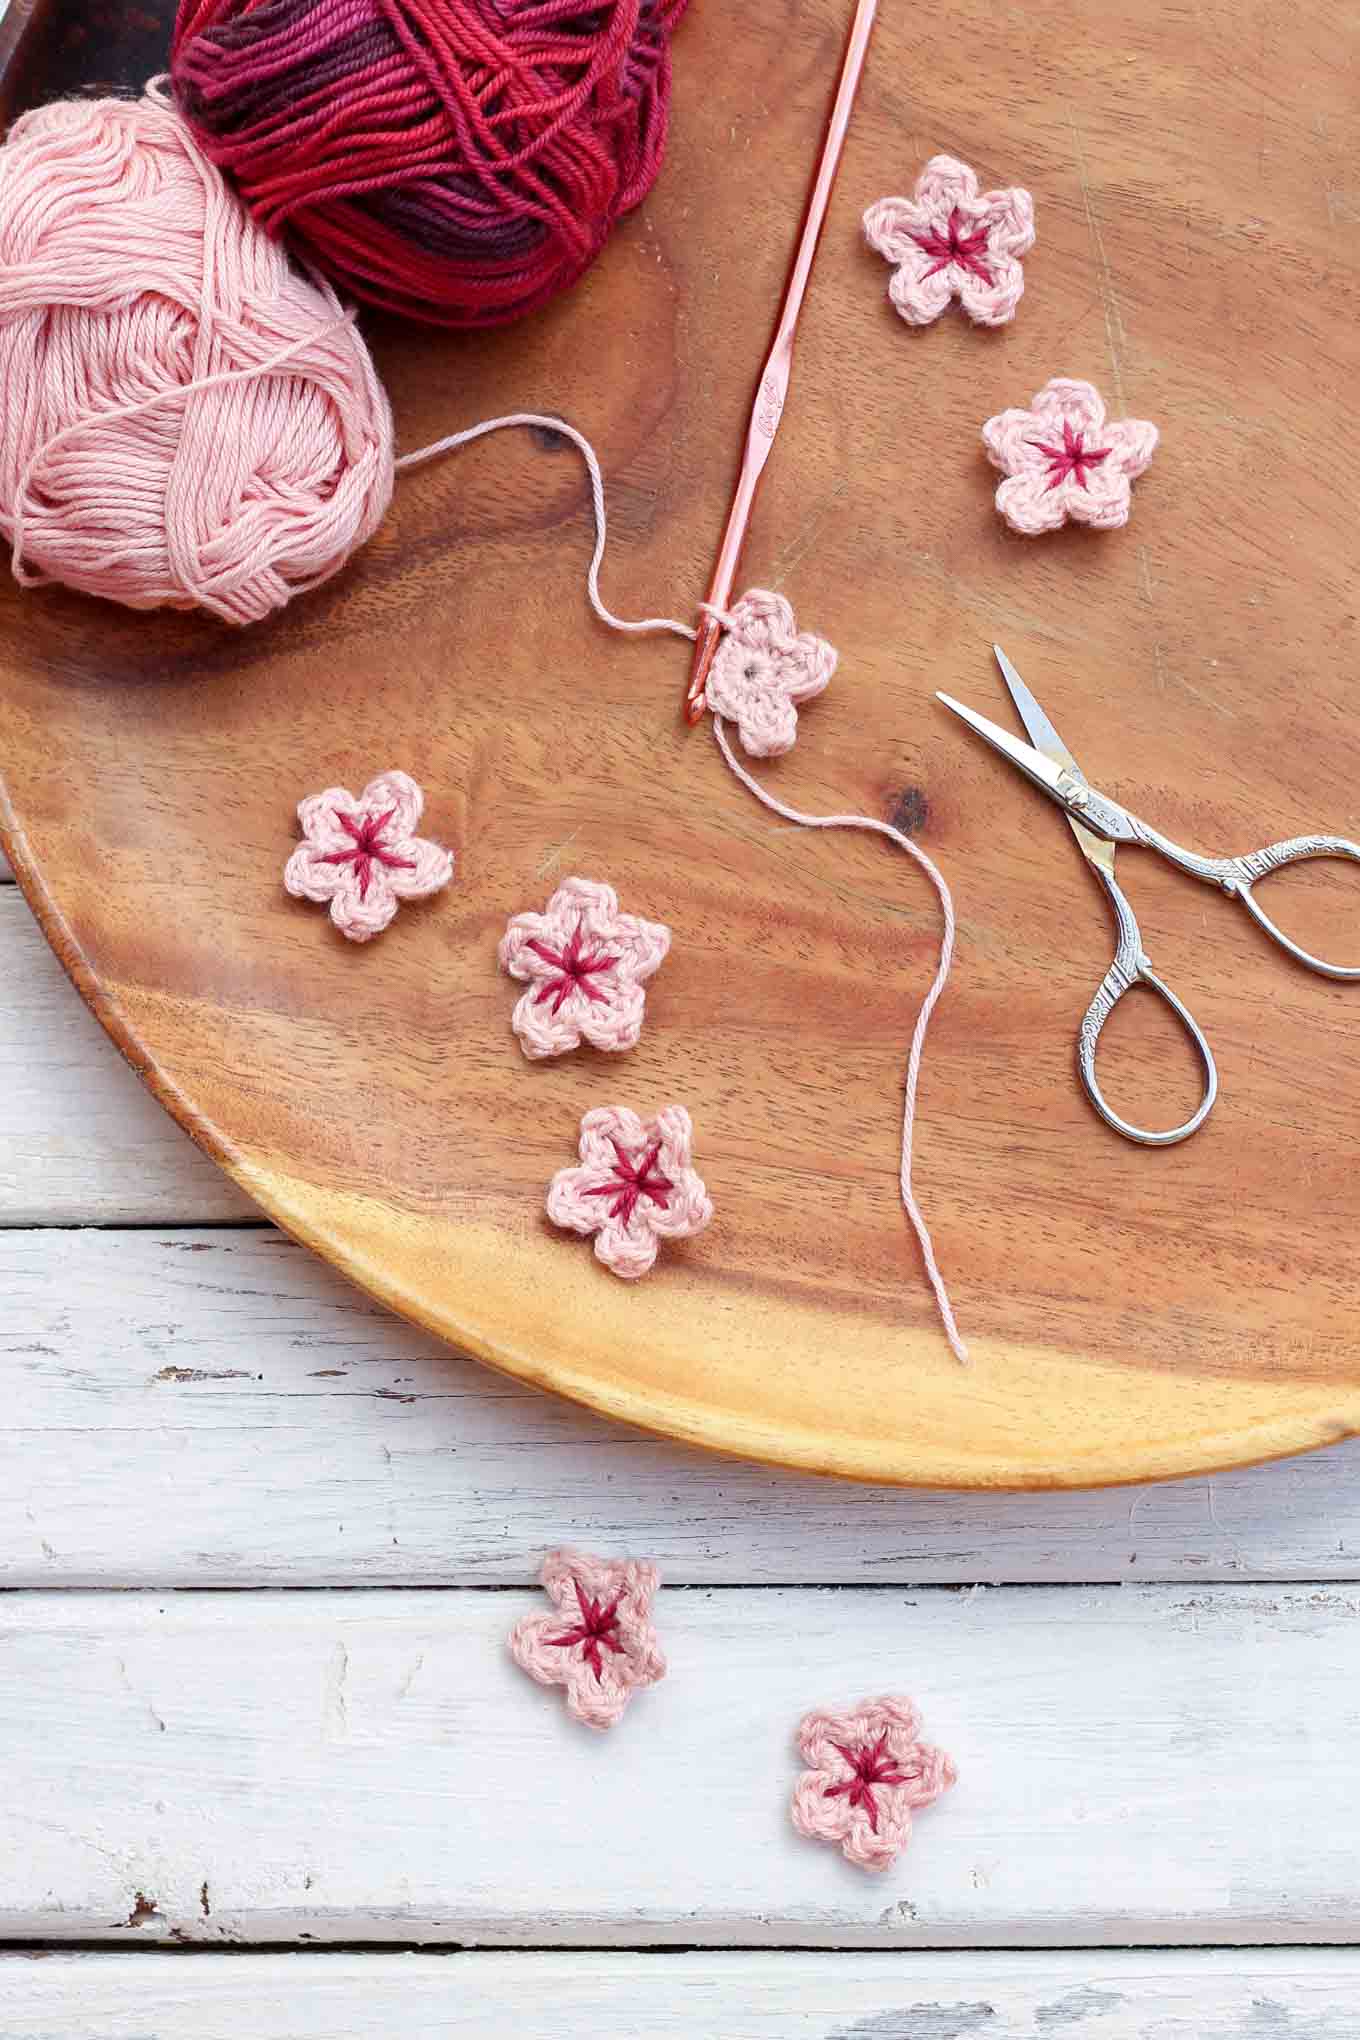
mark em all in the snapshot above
pixel 188 421
pixel 460 161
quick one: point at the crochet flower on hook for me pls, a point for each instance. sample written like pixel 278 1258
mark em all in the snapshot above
pixel 635 1185
pixel 1063 458
pixel 764 669
pixel 585 964
pixel 950 240
pixel 599 1642
pixel 868 1773
pixel 363 856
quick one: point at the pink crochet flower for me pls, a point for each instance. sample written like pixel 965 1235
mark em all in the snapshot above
pixel 869 1771
pixel 949 240
pixel 364 855
pixel 599 1643
pixel 763 668
pixel 635 1186
pixel 584 963
pixel 1062 459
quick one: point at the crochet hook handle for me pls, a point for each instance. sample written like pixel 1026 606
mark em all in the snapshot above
pixel 772 388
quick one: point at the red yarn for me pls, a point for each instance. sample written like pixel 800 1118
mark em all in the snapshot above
pixel 460 161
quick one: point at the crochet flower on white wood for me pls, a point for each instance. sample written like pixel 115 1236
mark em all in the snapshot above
pixel 951 240
pixel 599 1642
pixel 868 1773
pixel 363 855
pixel 1063 458
pixel 586 965
pixel 635 1185
pixel 764 669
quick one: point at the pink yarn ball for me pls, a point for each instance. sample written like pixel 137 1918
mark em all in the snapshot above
pixel 188 421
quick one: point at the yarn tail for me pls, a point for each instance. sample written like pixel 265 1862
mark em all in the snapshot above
pixel 928 1005
pixel 877 828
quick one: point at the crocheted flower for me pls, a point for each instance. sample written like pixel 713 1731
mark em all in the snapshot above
pixel 635 1186
pixel 1062 459
pixel 599 1642
pixel 869 1772
pixel 950 240
pixel 585 964
pixel 763 669
pixel 364 855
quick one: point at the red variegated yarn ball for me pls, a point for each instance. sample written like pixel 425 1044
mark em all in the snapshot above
pixel 459 161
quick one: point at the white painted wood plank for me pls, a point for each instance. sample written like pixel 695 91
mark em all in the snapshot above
pixel 1212 1995
pixel 1138 1766
pixel 81 1139
pixel 219 1408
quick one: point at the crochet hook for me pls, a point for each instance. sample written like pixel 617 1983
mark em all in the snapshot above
pixel 772 388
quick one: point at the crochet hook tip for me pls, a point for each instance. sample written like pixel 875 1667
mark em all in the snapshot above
pixel 705 645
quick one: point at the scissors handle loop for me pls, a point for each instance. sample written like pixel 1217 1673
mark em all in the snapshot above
pixel 1236 875
pixel 1130 968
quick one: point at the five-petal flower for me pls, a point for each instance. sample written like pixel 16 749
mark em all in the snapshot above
pixel 635 1185
pixel 364 855
pixel 869 1771
pixel 763 669
pixel 599 1642
pixel 1063 458
pixel 950 240
pixel 585 964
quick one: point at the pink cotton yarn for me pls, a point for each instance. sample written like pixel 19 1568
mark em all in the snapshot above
pixel 188 420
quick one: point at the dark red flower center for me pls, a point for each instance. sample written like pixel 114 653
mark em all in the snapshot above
pixel 631 1180
pixel 870 1765
pixel 574 970
pixel 954 245
pixel 597 1628
pixel 366 833
pixel 1073 457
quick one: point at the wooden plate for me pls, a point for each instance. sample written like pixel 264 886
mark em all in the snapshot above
pixel 1131 1313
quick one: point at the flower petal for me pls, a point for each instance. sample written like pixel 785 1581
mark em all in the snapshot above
pixel 539 1030
pixel 1010 221
pixel 602 1126
pixel 919 289
pixel 362 915
pixel 570 1203
pixel 1067 399
pixel 1030 506
pixel 626 1250
pixel 431 866
pixel 688 1209
pixel 944 183
pixel 317 817
pixel 994 303
pixel 611 1024
pixel 1104 503
pixel 1007 438
pixel 395 793
pixel 891 224
pixel 1134 441
pixel 307 876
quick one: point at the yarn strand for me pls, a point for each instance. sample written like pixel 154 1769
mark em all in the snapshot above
pixel 928 1005
pixel 578 439
pixel 866 822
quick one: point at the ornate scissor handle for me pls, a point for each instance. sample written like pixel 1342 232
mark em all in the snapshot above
pixel 1130 968
pixel 1236 876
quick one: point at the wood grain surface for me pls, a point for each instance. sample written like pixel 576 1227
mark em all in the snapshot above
pixel 1131 1313
pixel 1137 1766
pixel 1283 1994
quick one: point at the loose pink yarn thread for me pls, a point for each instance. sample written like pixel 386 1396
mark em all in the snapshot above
pixel 189 421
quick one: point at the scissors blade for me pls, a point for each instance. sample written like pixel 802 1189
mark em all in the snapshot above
pixel 1045 772
pixel 1096 849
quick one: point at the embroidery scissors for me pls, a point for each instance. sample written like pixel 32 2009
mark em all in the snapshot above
pixel 773 387
pixel 1099 825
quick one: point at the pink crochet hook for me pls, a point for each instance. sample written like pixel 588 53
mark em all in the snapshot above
pixel 773 385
